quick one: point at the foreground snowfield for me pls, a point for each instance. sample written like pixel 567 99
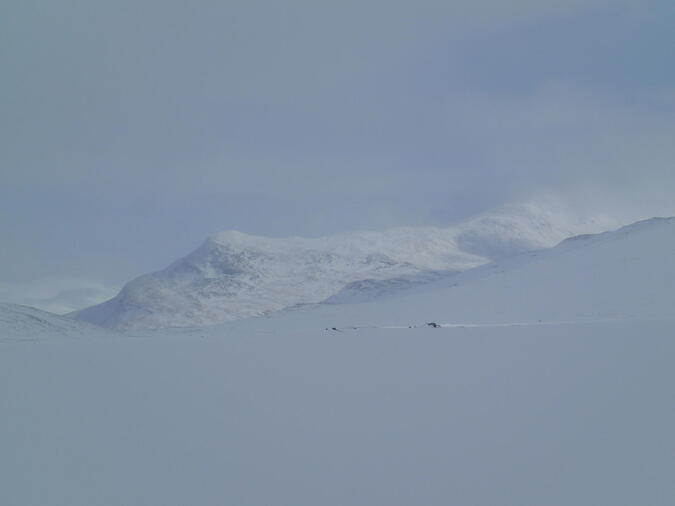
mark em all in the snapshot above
pixel 579 414
pixel 552 383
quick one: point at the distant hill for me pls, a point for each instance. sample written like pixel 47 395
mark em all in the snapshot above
pixel 24 322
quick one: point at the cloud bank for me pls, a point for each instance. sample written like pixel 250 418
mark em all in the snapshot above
pixel 132 130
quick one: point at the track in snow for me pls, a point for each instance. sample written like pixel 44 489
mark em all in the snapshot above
pixel 474 325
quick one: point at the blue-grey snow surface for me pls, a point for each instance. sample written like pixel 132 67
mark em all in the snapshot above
pixel 551 383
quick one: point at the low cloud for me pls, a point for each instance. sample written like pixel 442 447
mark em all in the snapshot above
pixel 167 122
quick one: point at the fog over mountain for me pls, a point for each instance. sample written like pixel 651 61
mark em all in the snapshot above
pixel 542 370
pixel 130 132
pixel 354 253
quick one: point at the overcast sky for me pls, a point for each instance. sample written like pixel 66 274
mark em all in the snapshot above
pixel 132 129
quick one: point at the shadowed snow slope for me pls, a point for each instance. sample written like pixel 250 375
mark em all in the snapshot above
pixel 234 275
pixel 23 322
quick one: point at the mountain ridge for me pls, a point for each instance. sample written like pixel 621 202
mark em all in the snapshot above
pixel 26 322
pixel 617 276
pixel 233 275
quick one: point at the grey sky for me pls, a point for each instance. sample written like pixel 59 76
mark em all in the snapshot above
pixel 130 130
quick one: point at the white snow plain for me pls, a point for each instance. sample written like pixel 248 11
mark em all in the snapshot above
pixel 550 381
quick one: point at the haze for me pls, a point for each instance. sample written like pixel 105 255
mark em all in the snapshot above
pixel 132 130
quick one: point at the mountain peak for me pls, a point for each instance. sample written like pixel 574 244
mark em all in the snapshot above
pixel 235 275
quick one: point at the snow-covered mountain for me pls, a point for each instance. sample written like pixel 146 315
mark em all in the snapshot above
pixel 234 275
pixel 620 275
pixel 548 381
pixel 24 322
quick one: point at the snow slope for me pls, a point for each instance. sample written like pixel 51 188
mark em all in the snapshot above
pixel 234 275
pixel 575 409
pixel 623 274
pixel 24 322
